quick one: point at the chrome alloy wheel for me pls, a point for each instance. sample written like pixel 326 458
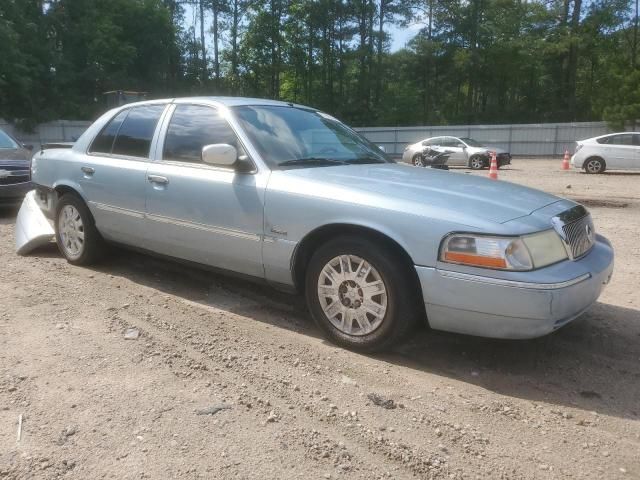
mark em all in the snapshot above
pixel 71 231
pixel 352 295
pixel 594 166
pixel 476 163
pixel 418 161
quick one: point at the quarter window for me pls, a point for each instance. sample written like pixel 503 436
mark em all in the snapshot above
pixel 136 132
pixel 103 143
pixel 191 128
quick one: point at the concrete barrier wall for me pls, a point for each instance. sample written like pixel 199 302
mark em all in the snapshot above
pixel 541 139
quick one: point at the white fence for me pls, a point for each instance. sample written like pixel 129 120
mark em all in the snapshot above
pixel 543 139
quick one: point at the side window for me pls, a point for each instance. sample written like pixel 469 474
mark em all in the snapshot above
pixel 136 132
pixel 191 128
pixel 636 139
pixel 623 139
pixel 104 141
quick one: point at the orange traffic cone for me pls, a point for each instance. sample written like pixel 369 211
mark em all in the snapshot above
pixel 493 169
pixel 565 160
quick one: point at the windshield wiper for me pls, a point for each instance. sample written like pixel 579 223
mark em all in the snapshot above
pixel 369 159
pixel 317 161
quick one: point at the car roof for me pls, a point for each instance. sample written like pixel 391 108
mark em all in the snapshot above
pixel 221 100
pixel 617 133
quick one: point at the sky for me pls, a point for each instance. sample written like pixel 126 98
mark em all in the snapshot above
pixel 401 35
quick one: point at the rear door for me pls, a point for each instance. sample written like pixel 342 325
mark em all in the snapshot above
pixel 112 173
pixel 200 212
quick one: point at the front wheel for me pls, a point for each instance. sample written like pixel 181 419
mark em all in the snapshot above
pixel 361 296
pixel 476 162
pixel 76 234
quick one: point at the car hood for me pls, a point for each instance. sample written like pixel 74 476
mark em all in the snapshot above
pixel 487 148
pixel 18 156
pixel 427 192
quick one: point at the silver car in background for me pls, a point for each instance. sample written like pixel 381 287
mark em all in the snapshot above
pixel 463 152
pixel 288 195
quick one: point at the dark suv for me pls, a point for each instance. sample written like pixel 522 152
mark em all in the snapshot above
pixel 15 169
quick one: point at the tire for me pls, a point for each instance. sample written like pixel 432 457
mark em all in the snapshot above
pixel 476 162
pixel 417 160
pixel 594 165
pixel 76 235
pixel 389 316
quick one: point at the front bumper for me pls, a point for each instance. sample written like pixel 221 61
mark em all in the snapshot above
pixel 499 308
pixel 503 159
pixel 14 192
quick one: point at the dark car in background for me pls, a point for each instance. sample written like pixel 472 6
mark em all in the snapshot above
pixel 15 169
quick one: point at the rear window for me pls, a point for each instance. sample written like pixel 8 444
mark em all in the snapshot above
pixel 129 132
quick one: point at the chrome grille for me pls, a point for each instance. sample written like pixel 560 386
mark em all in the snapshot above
pixel 579 236
pixel 9 177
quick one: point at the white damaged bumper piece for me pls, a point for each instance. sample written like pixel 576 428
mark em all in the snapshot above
pixel 32 227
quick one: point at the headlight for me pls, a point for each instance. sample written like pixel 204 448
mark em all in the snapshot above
pixel 504 253
pixel 578 147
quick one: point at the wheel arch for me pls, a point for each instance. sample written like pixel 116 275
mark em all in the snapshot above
pixel 314 239
pixel 60 188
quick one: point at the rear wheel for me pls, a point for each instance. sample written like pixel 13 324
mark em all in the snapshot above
pixel 76 234
pixel 361 296
pixel 417 160
pixel 594 165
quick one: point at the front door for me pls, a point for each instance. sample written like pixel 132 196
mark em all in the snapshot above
pixel 456 147
pixel 622 151
pixel 112 173
pixel 199 212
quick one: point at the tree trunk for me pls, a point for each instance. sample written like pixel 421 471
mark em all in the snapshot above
pixel 204 51
pixel 382 13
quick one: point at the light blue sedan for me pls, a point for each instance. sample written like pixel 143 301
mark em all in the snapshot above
pixel 289 195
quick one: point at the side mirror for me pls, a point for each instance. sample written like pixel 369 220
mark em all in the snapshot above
pixel 425 144
pixel 219 154
pixel 28 146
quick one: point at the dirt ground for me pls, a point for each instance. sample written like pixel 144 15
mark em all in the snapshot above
pixel 96 405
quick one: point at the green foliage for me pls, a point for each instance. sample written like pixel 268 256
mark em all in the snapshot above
pixel 474 61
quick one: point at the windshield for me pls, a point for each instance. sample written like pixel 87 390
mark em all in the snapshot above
pixel 6 141
pixel 471 142
pixel 291 136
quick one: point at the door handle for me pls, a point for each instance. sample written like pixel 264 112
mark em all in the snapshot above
pixel 158 179
pixel 88 170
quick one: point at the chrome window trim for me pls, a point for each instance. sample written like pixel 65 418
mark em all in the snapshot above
pixel 512 283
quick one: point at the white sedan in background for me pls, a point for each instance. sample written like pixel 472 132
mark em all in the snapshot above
pixel 616 151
